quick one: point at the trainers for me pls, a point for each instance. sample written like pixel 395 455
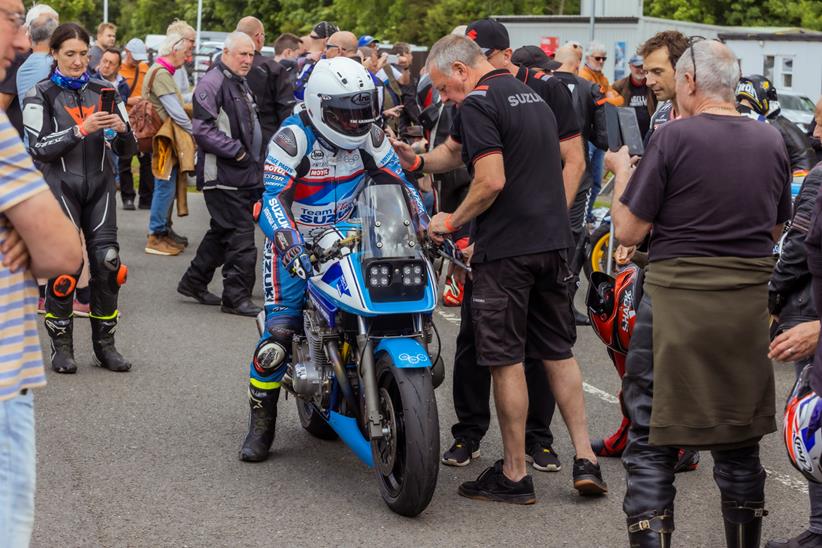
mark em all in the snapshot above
pixel 806 539
pixel 128 204
pixel 544 459
pixel 157 245
pixel 493 485
pixel 461 453
pixel 687 461
pixel 588 478
pixel 80 309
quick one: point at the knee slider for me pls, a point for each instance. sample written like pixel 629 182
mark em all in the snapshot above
pixel 272 353
pixel 107 259
pixel 63 285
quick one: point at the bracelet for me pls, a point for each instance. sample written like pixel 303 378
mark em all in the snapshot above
pixel 448 226
pixel 419 163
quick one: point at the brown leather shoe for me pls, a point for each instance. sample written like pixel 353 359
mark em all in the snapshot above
pixel 157 245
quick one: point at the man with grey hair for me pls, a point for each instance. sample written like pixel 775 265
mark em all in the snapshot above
pixel 520 305
pixel 689 380
pixel 41 26
pixel 229 159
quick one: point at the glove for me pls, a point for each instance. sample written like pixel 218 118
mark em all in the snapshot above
pixel 290 248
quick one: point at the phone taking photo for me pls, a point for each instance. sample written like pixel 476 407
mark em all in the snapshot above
pixel 107 100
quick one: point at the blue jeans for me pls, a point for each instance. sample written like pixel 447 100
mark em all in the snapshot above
pixel 597 157
pixel 17 470
pixel 161 200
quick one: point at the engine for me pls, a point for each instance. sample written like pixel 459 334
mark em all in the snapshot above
pixel 310 372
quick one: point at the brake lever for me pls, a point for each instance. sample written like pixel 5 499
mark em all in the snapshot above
pixel 448 250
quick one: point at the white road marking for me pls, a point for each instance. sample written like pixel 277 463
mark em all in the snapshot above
pixel 787 480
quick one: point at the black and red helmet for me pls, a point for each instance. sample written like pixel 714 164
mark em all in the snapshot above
pixel 612 305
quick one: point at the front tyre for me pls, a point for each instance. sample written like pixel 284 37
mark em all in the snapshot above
pixel 406 458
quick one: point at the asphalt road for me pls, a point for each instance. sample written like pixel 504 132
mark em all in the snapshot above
pixel 149 458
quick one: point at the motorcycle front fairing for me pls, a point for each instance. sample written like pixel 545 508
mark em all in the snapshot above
pixel 386 272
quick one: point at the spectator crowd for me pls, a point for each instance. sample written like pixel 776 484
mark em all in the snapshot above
pixel 508 149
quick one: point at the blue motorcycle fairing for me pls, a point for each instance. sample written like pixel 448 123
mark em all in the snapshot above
pixel 349 432
pixel 327 309
pixel 405 353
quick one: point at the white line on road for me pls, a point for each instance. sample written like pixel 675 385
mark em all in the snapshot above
pixel 785 479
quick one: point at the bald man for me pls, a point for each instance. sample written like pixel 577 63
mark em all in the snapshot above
pixel 268 81
pixel 341 44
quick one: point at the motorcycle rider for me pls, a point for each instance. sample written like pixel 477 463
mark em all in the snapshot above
pixel 69 138
pixel 316 165
pixel 756 98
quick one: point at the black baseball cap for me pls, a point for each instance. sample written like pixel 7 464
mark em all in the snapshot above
pixel 324 29
pixel 534 57
pixel 489 35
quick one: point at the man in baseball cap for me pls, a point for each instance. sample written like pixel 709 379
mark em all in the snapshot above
pixel 490 35
pixel 323 30
pixel 137 49
pixel 534 57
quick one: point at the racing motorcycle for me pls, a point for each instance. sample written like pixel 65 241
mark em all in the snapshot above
pixel 361 370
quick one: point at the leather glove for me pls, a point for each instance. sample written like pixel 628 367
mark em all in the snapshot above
pixel 291 249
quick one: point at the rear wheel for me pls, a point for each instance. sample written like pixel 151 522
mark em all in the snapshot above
pixel 597 260
pixel 406 458
pixel 312 421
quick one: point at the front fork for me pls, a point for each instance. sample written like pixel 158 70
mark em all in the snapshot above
pixel 369 378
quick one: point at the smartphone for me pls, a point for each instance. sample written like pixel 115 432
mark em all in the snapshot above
pixel 623 129
pixel 393 59
pixel 107 100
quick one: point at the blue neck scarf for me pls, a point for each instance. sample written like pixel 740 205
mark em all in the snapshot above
pixel 67 82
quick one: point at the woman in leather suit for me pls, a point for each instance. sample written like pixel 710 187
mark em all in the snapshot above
pixel 69 137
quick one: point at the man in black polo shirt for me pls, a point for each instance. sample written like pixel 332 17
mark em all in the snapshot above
pixel 520 305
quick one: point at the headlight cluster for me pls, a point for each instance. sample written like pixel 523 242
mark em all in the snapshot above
pixel 379 275
pixel 383 275
pixel 412 275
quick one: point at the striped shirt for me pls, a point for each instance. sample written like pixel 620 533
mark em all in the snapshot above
pixel 21 361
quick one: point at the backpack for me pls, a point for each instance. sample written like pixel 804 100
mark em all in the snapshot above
pixel 144 119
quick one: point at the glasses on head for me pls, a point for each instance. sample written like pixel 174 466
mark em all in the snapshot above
pixel 601 59
pixel 16 18
pixel 691 41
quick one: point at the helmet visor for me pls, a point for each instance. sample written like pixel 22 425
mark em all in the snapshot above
pixel 351 114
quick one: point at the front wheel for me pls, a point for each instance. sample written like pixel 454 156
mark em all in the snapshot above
pixel 406 458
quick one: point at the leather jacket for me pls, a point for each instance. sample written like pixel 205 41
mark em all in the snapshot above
pixel 799 149
pixel 50 114
pixel 789 290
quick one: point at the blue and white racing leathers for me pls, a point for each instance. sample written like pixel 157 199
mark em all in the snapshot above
pixel 310 184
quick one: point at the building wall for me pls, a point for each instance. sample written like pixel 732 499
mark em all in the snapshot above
pixel 806 77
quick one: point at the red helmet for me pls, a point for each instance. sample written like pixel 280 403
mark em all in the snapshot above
pixel 612 305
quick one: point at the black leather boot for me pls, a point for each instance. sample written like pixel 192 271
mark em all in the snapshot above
pixel 651 529
pixel 102 340
pixel 62 344
pixel 262 421
pixel 743 522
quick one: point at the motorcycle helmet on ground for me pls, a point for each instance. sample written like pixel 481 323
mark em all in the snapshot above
pixel 760 93
pixel 803 435
pixel 612 305
pixel 342 102
pixel 428 101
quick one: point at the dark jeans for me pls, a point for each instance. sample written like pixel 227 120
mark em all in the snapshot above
pixel 146 183
pixel 650 468
pixel 472 389
pixel 229 243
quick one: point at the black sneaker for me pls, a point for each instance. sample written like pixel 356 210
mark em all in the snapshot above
pixel 493 485
pixel 544 459
pixel 687 461
pixel 461 453
pixel 588 478
pixel 128 204
pixel 806 539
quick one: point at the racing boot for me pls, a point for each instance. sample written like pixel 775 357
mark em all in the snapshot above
pixel 262 421
pixel 614 445
pixel 651 529
pixel 102 340
pixel 687 461
pixel 60 332
pixel 743 522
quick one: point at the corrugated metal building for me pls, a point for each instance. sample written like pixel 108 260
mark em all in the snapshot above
pixel 621 27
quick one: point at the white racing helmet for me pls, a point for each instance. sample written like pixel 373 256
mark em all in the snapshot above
pixel 342 103
pixel 803 436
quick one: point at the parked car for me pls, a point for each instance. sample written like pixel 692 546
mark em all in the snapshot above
pixel 797 108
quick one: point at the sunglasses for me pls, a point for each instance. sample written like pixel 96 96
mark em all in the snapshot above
pixel 601 59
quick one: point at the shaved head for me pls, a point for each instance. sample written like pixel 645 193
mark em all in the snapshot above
pixel 341 43
pixel 568 56
pixel 253 28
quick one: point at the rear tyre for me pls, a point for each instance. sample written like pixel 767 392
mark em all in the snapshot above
pixel 312 421
pixel 597 259
pixel 406 459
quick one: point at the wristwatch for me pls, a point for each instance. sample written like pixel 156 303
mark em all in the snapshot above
pixel 79 132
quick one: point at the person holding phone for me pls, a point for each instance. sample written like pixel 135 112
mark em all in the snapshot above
pixel 72 121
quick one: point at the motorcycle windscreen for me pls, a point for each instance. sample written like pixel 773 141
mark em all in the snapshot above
pixel 387 227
